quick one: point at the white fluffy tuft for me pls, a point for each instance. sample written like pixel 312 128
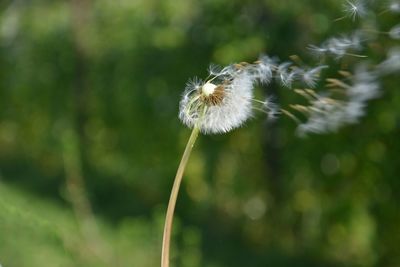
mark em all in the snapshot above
pixel 234 109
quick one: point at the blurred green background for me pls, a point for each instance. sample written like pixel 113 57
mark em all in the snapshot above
pixel 89 94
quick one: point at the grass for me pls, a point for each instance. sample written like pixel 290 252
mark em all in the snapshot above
pixel 38 232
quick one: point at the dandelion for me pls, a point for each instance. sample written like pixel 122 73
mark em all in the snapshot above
pixel 224 101
pixel 220 104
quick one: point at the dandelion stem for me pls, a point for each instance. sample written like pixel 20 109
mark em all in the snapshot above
pixel 173 197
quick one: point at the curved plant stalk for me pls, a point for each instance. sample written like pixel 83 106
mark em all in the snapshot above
pixel 173 197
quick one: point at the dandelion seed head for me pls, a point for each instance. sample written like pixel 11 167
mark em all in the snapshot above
pixel 222 103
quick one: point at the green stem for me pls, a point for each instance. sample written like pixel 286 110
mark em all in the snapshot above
pixel 174 195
